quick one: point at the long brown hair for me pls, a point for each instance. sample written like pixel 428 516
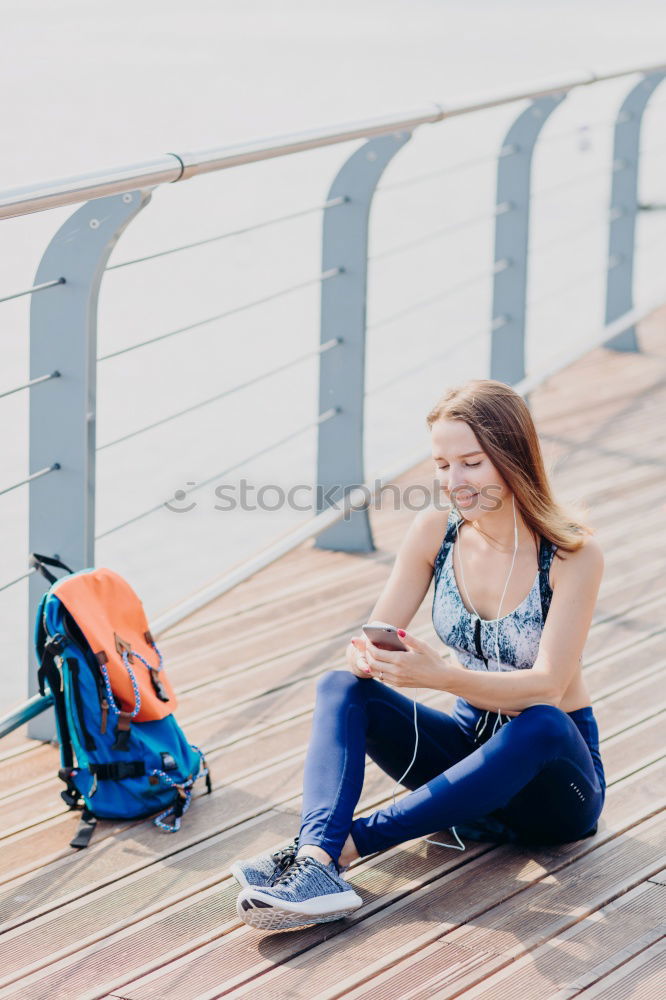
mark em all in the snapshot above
pixel 503 425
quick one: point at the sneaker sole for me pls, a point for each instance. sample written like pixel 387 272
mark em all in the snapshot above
pixel 263 911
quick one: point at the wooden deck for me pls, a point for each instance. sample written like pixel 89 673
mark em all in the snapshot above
pixel 141 914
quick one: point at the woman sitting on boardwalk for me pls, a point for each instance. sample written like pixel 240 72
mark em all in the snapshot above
pixel 518 759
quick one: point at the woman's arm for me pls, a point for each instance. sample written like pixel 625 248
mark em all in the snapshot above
pixel 412 571
pixel 510 691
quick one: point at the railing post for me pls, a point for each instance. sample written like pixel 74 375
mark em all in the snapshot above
pixel 623 210
pixel 340 463
pixel 63 337
pixel 514 179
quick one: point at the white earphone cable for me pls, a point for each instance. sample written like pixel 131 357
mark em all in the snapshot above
pixel 455 847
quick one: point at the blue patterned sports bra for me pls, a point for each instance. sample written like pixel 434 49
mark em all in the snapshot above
pixel 473 638
pixel 473 641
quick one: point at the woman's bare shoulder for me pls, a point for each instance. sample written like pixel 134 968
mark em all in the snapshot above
pixel 430 524
pixel 589 558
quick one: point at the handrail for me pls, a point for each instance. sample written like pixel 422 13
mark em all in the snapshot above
pixel 24 713
pixel 171 167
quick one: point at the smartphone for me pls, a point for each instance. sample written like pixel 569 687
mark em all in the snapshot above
pixel 384 637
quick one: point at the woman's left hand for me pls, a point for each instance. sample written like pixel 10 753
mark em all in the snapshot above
pixel 421 666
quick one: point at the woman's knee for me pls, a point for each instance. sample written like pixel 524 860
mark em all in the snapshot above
pixel 339 683
pixel 544 723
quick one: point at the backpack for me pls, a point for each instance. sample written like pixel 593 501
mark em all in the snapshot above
pixel 121 750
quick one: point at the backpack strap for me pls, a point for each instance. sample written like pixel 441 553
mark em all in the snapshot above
pixel 50 674
pixel 87 825
pixel 124 718
pixel 40 563
pixel 117 770
pixel 51 647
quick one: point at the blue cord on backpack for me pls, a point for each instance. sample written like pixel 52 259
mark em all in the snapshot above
pixel 182 804
pixel 135 687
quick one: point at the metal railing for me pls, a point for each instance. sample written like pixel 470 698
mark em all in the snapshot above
pixel 63 317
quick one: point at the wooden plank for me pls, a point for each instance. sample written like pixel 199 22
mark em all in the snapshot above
pixel 642 978
pixel 570 933
pixel 55 927
pixel 629 430
pixel 626 747
pixel 578 408
pixel 645 618
pixel 642 959
pixel 602 424
pixel 629 957
pixel 603 400
pixel 410 898
pixel 45 891
pixel 36 849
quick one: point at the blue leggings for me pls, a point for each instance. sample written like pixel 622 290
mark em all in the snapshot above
pixel 536 772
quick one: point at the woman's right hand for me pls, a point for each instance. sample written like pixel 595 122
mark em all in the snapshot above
pixel 356 660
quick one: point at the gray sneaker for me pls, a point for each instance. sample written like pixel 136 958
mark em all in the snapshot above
pixel 262 869
pixel 307 892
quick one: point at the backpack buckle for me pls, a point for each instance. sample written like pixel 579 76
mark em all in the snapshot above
pixel 123 647
pixel 71 794
pixel 122 732
pixel 159 688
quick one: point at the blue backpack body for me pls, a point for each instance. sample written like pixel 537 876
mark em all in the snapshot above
pixel 119 768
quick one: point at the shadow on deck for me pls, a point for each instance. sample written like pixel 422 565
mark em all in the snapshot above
pixel 141 914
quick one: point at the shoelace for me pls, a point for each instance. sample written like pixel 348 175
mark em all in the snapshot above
pixel 285 857
pixel 295 868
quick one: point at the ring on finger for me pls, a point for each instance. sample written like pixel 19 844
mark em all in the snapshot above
pixel 381 675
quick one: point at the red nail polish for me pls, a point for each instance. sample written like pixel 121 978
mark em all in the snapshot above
pixel 401 632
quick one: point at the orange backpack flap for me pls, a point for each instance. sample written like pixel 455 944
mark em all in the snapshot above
pixel 112 618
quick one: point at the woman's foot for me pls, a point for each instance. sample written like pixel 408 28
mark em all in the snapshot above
pixel 308 892
pixel 347 855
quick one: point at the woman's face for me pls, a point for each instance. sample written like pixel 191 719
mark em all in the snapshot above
pixel 467 477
